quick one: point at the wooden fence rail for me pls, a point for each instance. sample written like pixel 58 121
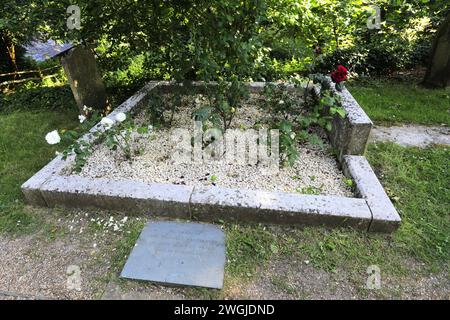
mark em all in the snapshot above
pixel 28 71
pixel 39 72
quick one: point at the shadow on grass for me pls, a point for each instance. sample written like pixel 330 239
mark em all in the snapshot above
pixel 58 98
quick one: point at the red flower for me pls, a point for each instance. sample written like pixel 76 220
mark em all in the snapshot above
pixel 340 74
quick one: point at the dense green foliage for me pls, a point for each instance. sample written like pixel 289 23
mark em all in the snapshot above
pixel 211 39
pixel 403 42
pixel 56 98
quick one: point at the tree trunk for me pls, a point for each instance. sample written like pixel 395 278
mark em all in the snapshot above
pixel 12 55
pixel 438 73
pixel 11 50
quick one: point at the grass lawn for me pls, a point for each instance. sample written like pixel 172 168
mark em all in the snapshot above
pixel 23 151
pixel 390 102
pixel 418 182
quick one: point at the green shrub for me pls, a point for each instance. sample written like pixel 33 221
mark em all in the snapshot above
pixel 38 98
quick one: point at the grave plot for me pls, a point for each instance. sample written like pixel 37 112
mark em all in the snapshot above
pixel 149 155
pixel 315 171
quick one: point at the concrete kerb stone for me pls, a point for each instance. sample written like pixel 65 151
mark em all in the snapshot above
pixel 351 134
pixel 214 204
pixel 159 199
pixel 49 188
pixel 384 215
pixel 31 189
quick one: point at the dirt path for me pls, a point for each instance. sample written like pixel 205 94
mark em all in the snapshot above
pixel 412 135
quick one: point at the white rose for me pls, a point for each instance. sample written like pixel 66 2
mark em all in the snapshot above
pixel 281 102
pixel 53 137
pixel 107 122
pixel 86 109
pixel 81 118
pixel 121 117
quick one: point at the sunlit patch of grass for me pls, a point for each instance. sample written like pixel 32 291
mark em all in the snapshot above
pixel 391 102
pixel 248 247
pixel 23 151
pixel 123 245
pixel 418 182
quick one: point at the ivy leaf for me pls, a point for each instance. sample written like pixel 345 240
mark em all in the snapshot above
pixel 341 112
pixel 142 130
pixel 285 126
pixel 315 140
pixel 111 143
pixel 274 248
pixel 202 114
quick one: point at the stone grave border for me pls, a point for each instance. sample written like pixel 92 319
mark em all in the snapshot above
pixel 371 210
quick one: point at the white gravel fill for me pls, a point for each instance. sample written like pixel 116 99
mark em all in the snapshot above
pixel 316 171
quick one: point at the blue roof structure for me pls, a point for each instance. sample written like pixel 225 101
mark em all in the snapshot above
pixel 41 51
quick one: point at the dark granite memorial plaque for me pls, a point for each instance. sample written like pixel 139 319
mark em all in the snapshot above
pixel 191 254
